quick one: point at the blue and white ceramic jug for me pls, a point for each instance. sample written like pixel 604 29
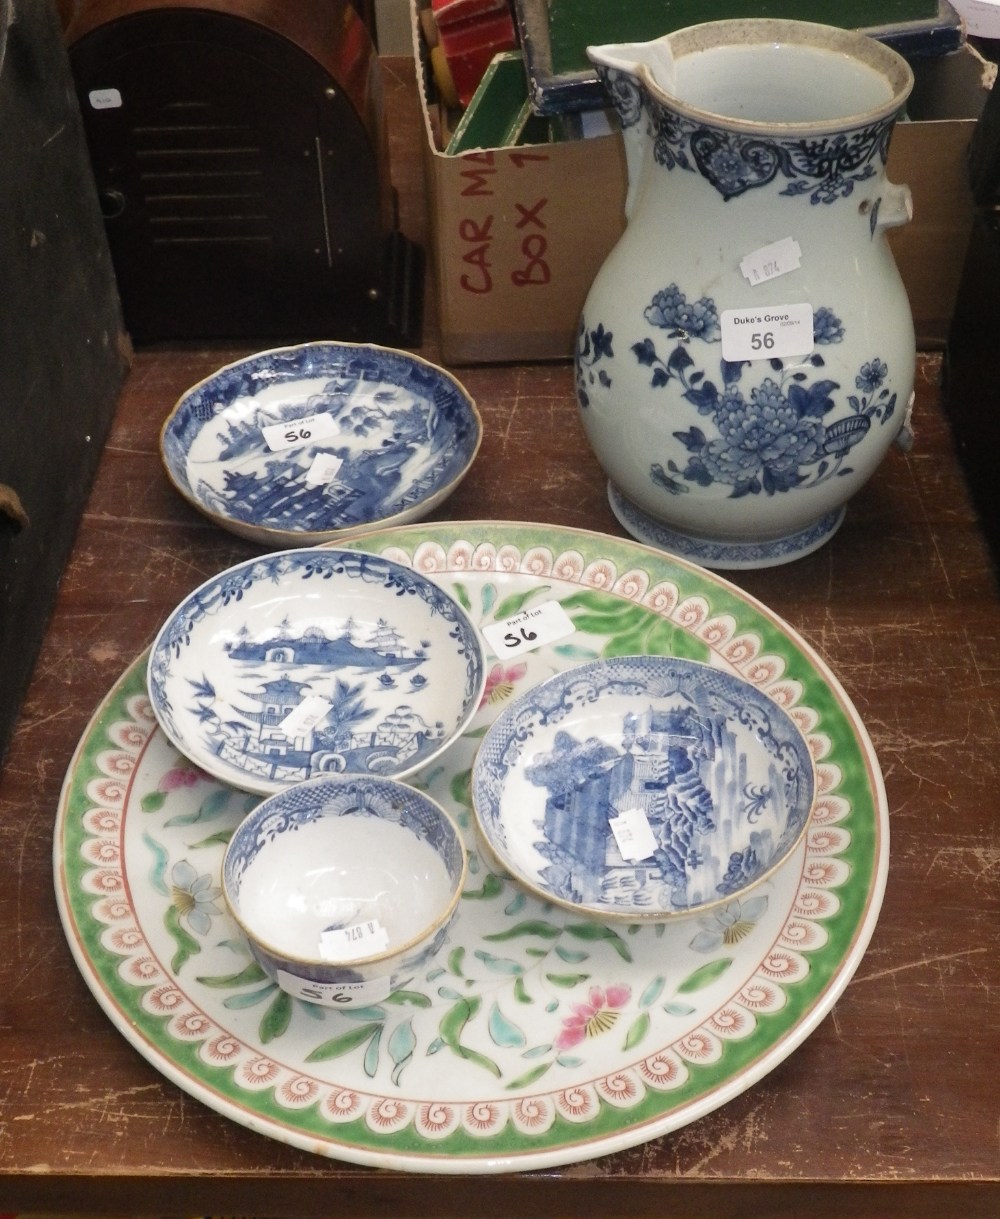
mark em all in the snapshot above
pixel 746 353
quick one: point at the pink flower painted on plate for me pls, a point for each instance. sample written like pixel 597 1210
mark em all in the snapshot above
pixel 599 1015
pixel 181 776
pixel 500 682
pixel 177 778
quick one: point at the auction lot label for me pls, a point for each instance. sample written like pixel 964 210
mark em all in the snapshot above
pixel 767 332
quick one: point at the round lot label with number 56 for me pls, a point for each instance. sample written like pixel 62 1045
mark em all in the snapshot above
pixel 766 332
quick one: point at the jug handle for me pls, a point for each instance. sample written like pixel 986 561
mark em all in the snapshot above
pixel 895 207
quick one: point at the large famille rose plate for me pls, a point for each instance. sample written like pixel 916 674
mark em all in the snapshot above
pixel 536 1037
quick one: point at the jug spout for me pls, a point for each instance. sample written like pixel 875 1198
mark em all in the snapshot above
pixel 622 67
pixel 628 58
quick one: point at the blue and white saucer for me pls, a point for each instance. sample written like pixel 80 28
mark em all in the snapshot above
pixel 302 445
pixel 315 661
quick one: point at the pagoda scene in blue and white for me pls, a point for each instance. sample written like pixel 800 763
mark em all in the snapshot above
pixel 367 681
pixel 682 768
pixel 388 458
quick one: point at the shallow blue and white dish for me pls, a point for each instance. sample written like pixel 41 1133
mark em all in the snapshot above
pixel 642 788
pixel 315 661
pixel 302 445
pixel 344 884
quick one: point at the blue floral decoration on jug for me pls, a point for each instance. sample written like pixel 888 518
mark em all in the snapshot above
pixel 778 434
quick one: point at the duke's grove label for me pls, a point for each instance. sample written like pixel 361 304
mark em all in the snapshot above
pixel 767 332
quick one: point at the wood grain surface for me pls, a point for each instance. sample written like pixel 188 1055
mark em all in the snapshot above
pixel 890 1108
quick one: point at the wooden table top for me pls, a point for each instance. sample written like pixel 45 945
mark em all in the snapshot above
pixel 890 1108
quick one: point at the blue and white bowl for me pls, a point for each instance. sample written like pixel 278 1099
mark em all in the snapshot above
pixel 304 445
pixel 344 885
pixel 642 788
pixel 315 661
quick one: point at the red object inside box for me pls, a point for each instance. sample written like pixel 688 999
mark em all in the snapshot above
pixel 471 32
pixel 452 12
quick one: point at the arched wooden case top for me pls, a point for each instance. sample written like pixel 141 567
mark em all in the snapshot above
pixel 240 156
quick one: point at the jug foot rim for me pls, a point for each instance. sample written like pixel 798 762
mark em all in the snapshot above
pixel 721 553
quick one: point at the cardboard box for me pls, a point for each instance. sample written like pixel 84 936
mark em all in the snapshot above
pixel 931 155
pixel 518 234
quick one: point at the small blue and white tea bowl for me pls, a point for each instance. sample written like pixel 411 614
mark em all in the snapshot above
pixel 303 445
pixel 344 885
pixel 642 788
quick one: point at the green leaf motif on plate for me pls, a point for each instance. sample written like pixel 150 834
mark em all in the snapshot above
pixel 516 904
pixel 408 998
pixel 501 965
pixel 566 981
pixel 460 788
pixel 652 991
pixel 491 887
pixel 678 1009
pixel 637 1031
pixel 516 602
pixel 187 945
pixel 453 1024
pixel 597 931
pixel 537 927
pixel 158 872
pixel 704 976
pixel 503 1031
pixel 238 1003
pixel 528 1078
pixel 372 1053
pixel 277 1018
pixel 401 1044
pixel 630 630
pixel 343 1044
pixel 461 595
pixel 210 808
pixel 252 974
pixel 573 651
pixel 569 955
pixel 215 840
